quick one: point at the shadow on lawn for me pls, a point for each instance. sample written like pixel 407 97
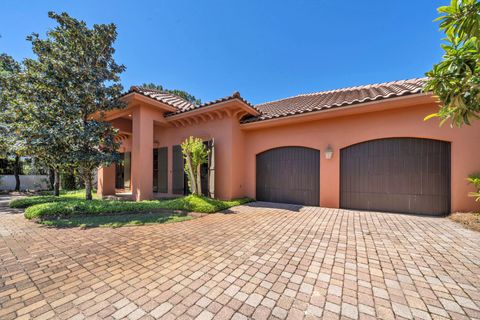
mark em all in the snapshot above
pixel 115 221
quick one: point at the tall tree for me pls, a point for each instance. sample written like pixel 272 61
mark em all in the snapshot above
pixel 10 98
pixel 456 79
pixel 75 81
pixel 182 94
pixel 43 121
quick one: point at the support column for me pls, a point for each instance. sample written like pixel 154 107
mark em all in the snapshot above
pixel 142 154
pixel 106 181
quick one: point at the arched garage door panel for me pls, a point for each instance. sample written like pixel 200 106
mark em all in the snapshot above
pixel 407 175
pixel 289 175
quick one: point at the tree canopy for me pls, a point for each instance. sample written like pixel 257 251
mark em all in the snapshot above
pixel 71 83
pixel 182 94
pixel 456 79
pixel 11 74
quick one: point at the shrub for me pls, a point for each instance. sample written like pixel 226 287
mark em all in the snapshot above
pixel 475 180
pixel 74 207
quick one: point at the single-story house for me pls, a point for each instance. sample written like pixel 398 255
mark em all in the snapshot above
pixel 365 147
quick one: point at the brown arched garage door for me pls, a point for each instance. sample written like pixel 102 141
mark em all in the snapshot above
pixel 407 175
pixel 289 175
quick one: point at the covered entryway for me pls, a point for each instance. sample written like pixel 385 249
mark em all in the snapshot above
pixel 123 171
pixel 288 175
pixel 408 175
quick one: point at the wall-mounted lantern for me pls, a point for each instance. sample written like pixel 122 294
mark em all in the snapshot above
pixel 328 152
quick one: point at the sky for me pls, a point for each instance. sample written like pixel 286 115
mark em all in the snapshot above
pixel 265 49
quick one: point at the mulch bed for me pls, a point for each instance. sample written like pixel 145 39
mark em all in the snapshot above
pixel 468 220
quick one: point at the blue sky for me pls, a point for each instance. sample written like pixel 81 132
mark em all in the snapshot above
pixel 265 49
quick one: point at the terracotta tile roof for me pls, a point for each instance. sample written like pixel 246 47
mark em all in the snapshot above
pixel 179 103
pixel 302 103
pixel 172 100
pixel 336 98
pixel 235 95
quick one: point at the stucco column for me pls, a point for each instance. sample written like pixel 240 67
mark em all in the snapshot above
pixel 142 154
pixel 330 178
pixel 106 181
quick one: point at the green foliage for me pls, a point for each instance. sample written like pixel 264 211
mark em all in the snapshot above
pixel 72 82
pixel 11 79
pixel 115 221
pixel 195 203
pixel 180 93
pixel 31 201
pixel 456 79
pixel 195 153
pixel 75 207
pixel 475 180
pixel 46 197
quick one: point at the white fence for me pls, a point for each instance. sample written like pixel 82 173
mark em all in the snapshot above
pixel 27 182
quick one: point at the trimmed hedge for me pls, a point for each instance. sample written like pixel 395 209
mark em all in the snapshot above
pixel 71 207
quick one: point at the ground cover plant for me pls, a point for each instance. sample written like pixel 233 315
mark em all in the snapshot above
pixel 115 221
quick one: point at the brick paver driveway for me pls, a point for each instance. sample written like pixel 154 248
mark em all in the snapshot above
pixel 259 261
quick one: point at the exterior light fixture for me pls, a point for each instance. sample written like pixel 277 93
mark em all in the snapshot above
pixel 328 152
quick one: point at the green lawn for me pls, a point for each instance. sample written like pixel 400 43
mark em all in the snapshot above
pixel 46 197
pixel 70 205
pixel 115 221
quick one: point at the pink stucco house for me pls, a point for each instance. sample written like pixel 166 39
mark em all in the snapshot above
pixel 364 147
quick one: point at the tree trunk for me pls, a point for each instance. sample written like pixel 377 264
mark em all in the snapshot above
pixel 88 184
pixel 67 179
pixel 51 177
pixel 199 179
pixel 79 181
pixel 191 175
pixel 56 183
pixel 16 172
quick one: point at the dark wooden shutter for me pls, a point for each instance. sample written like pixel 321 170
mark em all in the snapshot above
pixel 211 169
pixel 163 170
pixel 128 170
pixel 178 174
pixel 123 171
pixel 155 170
pixel 120 172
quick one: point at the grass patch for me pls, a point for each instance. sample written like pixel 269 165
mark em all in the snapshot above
pixel 115 221
pixel 200 204
pixel 72 207
pixel 47 197
pixel 468 220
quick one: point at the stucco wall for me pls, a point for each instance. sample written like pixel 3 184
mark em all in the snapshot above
pixel 237 145
pixel 228 142
pixel 347 130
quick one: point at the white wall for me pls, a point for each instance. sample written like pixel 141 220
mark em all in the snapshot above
pixel 27 182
